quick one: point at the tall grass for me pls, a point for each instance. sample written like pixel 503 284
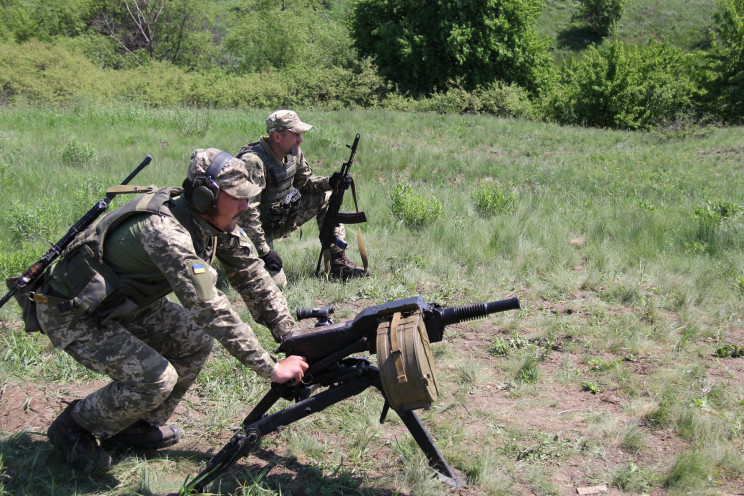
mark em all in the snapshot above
pixel 628 290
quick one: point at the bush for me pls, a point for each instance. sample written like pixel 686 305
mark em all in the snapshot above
pixel 413 209
pixel 622 87
pixel 498 98
pixel 490 198
pixel 421 46
pixel 725 79
pixel 77 154
pixel 600 16
pixel 29 223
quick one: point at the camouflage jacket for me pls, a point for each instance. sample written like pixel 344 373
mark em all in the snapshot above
pixel 172 248
pixel 258 158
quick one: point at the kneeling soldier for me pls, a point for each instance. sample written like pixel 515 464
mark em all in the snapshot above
pixel 108 308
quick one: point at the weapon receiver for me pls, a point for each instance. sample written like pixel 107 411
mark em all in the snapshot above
pixel 334 375
pixel 314 343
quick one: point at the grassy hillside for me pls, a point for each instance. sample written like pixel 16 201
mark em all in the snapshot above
pixel 624 367
pixel 685 24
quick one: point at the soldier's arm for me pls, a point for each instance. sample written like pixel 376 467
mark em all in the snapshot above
pixel 247 276
pixel 194 283
pixel 306 181
pixel 250 220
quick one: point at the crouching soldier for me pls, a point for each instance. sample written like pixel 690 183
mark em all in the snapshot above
pixel 107 308
pixel 291 195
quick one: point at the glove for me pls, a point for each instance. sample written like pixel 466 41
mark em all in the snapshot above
pixel 337 176
pixel 273 261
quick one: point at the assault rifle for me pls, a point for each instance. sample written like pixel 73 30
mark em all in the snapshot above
pixel 327 348
pixel 333 218
pixel 38 268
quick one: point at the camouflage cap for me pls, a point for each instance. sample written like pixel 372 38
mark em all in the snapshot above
pixel 232 178
pixel 286 119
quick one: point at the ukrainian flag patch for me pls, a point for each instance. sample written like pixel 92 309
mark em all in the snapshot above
pixel 242 233
pixel 198 268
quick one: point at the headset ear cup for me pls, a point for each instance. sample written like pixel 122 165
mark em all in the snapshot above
pixel 203 197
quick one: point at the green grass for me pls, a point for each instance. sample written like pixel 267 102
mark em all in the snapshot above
pixel 685 24
pixel 628 267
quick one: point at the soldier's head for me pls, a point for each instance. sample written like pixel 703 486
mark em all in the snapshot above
pixel 217 187
pixel 285 129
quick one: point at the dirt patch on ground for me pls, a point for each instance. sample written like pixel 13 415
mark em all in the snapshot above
pixel 562 421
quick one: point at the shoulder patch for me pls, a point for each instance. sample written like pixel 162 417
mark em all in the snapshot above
pixel 198 268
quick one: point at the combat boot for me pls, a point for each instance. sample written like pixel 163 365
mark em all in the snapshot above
pixel 79 447
pixel 344 268
pixel 144 436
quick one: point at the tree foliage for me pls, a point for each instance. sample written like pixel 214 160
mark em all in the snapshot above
pixel 277 35
pixel 726 76
pixel 423 46
pixel 177 31
pixel 600 16
pixel 622 86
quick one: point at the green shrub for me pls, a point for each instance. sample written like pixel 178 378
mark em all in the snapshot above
pixel 421 46
pixel 724 81
pixel 710 218
pixel 490 198
pixel 76 153
pixel 600 16
pixel 413 209
pixel 622 86
pixel 31 223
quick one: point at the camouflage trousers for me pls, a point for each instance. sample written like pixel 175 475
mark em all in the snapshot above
pixel 311 205
pixel 153 357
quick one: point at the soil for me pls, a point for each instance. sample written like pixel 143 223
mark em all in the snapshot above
pixel 562 409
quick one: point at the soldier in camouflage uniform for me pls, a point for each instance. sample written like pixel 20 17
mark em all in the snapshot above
pixel 107 308
pixel 291 194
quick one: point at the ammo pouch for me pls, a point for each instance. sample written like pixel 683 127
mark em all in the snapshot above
pixel 28 306
pixel 405 362
pixel 284 212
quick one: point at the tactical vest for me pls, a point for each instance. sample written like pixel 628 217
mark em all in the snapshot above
pixel 94 286
pixel 279 200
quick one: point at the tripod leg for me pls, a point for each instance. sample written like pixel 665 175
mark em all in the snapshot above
pixel 263 406
pixel 446 474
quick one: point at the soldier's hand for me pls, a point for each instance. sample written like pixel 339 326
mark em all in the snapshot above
pixel 291 369
pixel 273 261
pixel 337 176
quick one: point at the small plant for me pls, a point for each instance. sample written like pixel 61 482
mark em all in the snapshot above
pixel 729 350
pixel 492 198
pixel 77 154
pixel 632 479
pixel 591 387
pixel 412 208
pixel 528 370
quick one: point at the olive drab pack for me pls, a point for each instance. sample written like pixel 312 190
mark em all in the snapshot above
pixel 405 362
pixel 95 287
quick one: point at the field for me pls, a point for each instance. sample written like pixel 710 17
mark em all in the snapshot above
pixel 624 368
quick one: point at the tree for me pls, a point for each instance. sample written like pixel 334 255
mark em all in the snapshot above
pixel 725 82
pixel 15 23
pixel 622 86
pixel 600 16
pixel 176 31
pixel 423 46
